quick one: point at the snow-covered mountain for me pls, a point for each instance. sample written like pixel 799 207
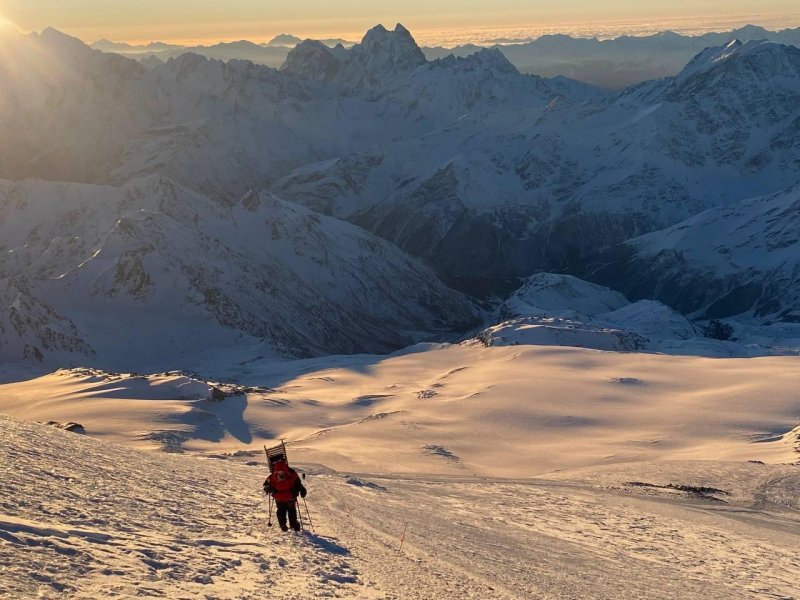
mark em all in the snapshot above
pixel 66 111
pixel 559 295
pixel 511 187
pixel 222 128
pixel 740 261
pixel 153 274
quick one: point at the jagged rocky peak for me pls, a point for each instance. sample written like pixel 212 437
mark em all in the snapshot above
pixel 206 70
pixel 707 60
pixel 382 49
pixel 52 35
pixel 312 59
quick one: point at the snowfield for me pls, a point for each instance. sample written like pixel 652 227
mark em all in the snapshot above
pixel 504 472
pixel 442 409
pixel 82 518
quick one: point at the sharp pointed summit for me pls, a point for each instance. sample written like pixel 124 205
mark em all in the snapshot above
pixel 384 50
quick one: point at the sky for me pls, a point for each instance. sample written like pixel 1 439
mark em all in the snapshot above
pixel 430 20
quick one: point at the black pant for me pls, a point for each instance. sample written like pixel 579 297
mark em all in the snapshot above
pixel 289 507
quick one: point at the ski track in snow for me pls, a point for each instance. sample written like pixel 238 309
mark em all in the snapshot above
pixel 82 518
pixel 543 540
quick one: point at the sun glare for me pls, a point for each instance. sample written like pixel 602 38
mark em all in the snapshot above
pixel 5 23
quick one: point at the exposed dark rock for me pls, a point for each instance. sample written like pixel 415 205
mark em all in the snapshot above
pixel 702 492
pixel 718 330
pixel 73 427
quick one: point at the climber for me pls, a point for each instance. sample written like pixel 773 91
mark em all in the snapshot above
pixel 284 484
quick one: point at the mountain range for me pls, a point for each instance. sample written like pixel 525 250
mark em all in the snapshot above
pixel 272 53
pixel 337 204
pixel 609 63
pixel 619 62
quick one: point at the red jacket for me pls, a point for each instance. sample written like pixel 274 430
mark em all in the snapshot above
pixel 283 483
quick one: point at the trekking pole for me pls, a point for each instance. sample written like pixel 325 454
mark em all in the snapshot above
pixel 300 516
pixel 308 514
pixel 269 520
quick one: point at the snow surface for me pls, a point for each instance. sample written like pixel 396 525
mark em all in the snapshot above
pixel 87 519
pixel 512 465
pixel 435 409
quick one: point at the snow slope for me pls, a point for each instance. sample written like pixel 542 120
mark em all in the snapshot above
pixel 88 519
pixel 95 520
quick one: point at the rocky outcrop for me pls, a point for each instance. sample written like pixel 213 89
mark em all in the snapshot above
pixel 71 427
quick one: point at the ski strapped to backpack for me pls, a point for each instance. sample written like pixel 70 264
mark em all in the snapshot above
pixel 275 454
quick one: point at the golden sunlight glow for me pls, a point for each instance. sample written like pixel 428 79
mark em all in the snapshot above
pixel 431 21
pixel 7 25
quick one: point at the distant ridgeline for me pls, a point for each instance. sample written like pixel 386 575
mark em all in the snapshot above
pixel 611 63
